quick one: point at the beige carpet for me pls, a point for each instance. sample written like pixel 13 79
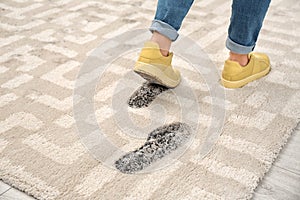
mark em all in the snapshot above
pixel 43 45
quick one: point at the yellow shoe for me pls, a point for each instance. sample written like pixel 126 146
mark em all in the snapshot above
pixel 156 68
pixel 235 76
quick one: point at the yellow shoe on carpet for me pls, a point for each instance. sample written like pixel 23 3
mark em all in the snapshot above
pixel 156 68
pixel 234 75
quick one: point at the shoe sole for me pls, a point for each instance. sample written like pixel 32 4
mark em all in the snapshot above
pixel 241 83
pixel 154 75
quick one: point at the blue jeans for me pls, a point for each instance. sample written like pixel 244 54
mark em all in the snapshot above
pixel 245 23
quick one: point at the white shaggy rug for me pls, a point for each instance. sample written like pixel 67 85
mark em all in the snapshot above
pixel 43 45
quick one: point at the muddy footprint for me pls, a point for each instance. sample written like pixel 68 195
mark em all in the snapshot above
pixel 160 142
pixel 145 94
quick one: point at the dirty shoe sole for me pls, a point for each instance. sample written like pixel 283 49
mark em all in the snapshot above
pixel 160 142
pixel 154 75
pixel 241 83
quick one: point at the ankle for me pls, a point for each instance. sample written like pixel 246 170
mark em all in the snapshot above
pixel 242 59
pixel 164 52
pixel 163 42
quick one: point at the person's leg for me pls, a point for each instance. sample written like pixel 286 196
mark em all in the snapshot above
pixel 163 42
pixel 245 23
pixel 167 21
pixel 154 62
pixel 242 66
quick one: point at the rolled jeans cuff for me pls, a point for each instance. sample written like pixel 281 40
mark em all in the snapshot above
pixel 238 48
pixel 164 29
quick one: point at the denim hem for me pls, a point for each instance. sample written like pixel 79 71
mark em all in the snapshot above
pixel 164 29
pixel 237 48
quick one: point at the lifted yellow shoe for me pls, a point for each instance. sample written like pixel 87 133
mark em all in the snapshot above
pixel 156 68
pixel 236 76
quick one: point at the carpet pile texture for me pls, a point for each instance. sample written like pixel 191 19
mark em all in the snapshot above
pixel 44 43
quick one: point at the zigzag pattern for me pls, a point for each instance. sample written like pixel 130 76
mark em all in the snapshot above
pixel 44 43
